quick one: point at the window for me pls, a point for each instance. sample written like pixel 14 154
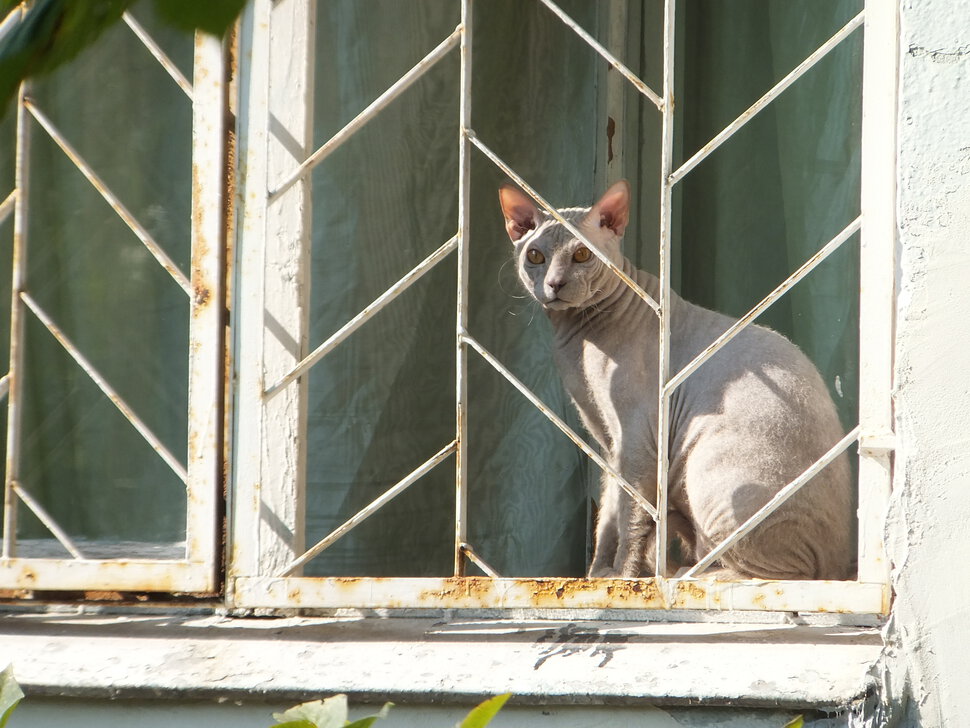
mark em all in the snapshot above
pixel 112 224
pixel 398 432
pixel 398 435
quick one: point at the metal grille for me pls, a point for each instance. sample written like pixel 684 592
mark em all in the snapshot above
pixel 267 559
pixel 108 565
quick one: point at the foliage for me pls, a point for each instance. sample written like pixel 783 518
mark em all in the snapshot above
pixel 329 713
pixel 10 695
pixel 332 713
pixel 54 31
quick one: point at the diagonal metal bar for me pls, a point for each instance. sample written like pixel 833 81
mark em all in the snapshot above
pixel 44 517
pixel 647 298
pixel 771 506
pixel 738 326
pixel 6 207
pixel 807 267
pixel 153 247
pixel 558 422
pixel 761 103
pixel 466 548
pixel 106 388
pixel 4 385
pixel 160 55
pixel 378 304
pixel 378 104
pixel 369 510
pixel 609 57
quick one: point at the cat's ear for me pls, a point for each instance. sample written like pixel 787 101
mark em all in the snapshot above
pixel 521 214
pixel 613 209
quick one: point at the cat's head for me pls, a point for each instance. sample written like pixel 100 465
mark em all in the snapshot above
pixel 556 268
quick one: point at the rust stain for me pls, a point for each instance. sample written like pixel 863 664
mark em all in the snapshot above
pixel 691 590
pixel 473 591
pixel 610 132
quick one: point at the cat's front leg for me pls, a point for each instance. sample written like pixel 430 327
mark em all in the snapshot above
pixel 606 537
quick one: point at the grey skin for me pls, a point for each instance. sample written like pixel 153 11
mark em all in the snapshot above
pixel 746 423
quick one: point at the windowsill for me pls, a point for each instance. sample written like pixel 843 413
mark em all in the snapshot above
pixel 424 660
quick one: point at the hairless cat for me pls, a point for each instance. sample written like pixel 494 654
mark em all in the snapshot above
pixel 742 426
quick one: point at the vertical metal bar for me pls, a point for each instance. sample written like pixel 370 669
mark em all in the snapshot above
pixel 17 314
pixel 461 351
pixel 663 362
pixel 206 304
pixel 877 283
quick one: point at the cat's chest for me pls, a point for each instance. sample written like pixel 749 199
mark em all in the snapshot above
pixel 609 379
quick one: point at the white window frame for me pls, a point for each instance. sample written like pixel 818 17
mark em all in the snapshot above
pixel 267 514
pixel 197 570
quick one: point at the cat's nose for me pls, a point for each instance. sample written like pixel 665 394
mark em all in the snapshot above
pixel 556 284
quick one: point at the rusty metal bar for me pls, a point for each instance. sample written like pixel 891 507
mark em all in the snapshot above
pixel 355 124
pixel 362 515
pixel 771 506
pixel 461 288
pixel 17 317
pixel 160 55
pixel 558 422
pixel 140 232
pixel 207 391
pixel 807 267
pixel 663 328
pixel 772 94
pixel 377 305
pixel 44 517
pixel 7 206
pixel 106 388
pixel 479 561
pixel 527 188
pixel 629 75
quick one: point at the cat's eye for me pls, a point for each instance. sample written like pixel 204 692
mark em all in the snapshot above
pixel 535 257
pixel 582 254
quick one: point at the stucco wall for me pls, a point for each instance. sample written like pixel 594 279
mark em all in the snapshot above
pixel 930 513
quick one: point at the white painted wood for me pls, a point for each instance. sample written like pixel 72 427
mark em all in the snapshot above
pixel 640 594
pixel 877 283
pixel 274 287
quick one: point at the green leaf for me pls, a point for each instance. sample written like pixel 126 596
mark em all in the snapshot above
pixel 796 722
pixel 329 713
pixel 50 34
pixel 212 16
pixel 482 714
pixel 369 720
pixel 10 695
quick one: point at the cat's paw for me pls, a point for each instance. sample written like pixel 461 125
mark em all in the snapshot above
pixel 604 572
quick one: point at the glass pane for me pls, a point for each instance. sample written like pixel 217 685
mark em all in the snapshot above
pixel 384 402
pixel 81 459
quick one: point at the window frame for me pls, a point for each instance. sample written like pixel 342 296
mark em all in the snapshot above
pixel 198 570
pixel 267 510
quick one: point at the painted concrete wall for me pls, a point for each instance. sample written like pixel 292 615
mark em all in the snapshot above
pixel 930 514
pixel 44 713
